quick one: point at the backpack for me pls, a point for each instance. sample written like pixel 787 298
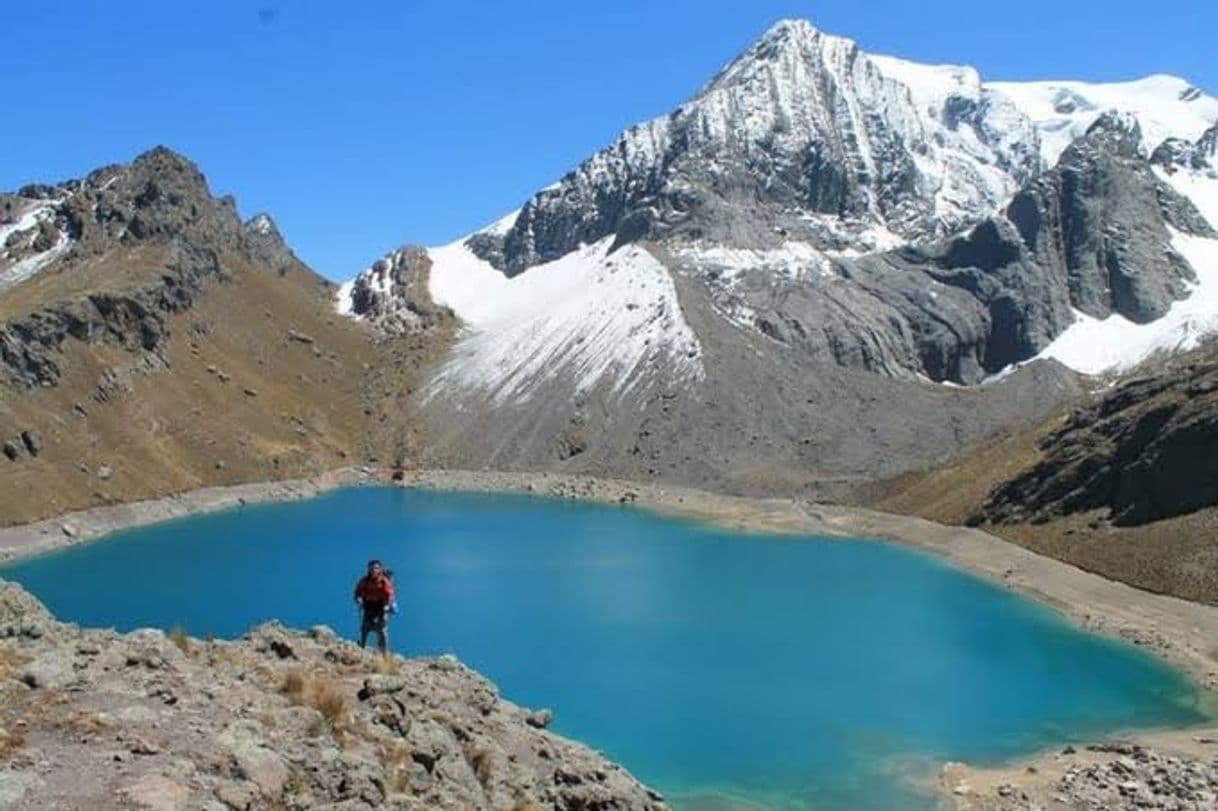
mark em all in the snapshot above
pixel 393 604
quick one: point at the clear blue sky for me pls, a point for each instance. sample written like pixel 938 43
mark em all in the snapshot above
pixel 361 125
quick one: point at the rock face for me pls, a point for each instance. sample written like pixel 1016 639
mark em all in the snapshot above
pixel 278 719
pixel 1101 220
pixel 1145 451
pixel 1177 153
pixel 394 294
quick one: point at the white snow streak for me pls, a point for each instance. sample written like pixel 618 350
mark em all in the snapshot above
pixel 589 317
pixel 792 260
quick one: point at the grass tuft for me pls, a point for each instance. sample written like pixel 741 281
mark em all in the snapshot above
pixel 177 635
pixel 330 701
pixel 293 686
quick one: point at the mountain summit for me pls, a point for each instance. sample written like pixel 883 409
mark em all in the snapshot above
pixel 803 136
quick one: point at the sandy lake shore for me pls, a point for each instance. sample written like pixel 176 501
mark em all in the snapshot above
pixel 1183 633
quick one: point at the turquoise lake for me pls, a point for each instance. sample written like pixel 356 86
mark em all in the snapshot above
pixel 725 669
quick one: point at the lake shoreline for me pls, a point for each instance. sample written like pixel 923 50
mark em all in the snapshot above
pixel 84 526
pixel 1183 634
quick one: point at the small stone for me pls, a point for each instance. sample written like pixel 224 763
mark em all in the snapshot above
pixel 300 337
pixel 105 472
pixel 143 747
pixel 539 719
pixel 32 441
pixel 250 392
pixel 13 449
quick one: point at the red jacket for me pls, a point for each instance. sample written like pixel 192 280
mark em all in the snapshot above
pixel 374 590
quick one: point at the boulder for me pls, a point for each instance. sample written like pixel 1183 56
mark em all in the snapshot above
pixel 51 671
pixel 539 719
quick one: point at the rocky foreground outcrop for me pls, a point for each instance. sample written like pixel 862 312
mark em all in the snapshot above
pixel 278 719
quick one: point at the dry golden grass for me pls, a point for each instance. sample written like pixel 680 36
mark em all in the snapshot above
pixel 10 660
pixel 481 762
pixel 329 700
pixel 11 740
pixel 175 426
pixel 1176 556
pixel 87 722
pixel 293 686
pixel 388 665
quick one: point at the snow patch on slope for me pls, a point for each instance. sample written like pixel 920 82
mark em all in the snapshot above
pixel 1114 344
pixel 1165 107
pixel 590 316
pixel 343 302
pixel 30 266
pixel 791 261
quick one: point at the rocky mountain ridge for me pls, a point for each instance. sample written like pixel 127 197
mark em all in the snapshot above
pixel 161 344
pixel 160 202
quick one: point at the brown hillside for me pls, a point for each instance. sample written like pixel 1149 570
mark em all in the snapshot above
pixel 1122 485
pixel 197 353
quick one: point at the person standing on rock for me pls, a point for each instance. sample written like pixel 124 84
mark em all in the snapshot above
pixel 374 594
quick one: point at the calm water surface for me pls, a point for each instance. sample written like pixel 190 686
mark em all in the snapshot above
pixel 792 673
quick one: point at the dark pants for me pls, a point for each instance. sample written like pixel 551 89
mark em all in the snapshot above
pixel 374 620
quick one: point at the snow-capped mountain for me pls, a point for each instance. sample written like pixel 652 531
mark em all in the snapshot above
pixel 803 137
pixel 838 209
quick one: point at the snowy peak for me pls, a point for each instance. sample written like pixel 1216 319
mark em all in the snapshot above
pixel 802 137
pixel 787 45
